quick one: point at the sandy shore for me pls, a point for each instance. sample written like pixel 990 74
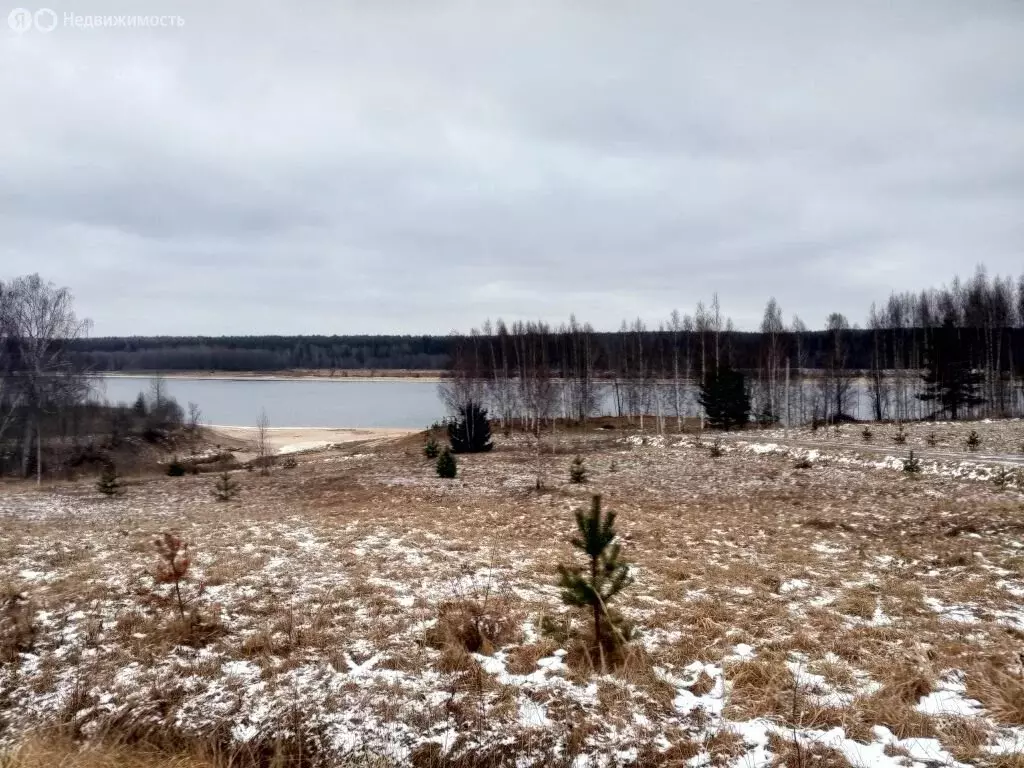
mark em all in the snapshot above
pixel 292 439
pixel 303 375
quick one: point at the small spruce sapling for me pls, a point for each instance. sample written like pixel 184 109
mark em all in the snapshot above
pixel 577 470
pixel 605 576
pixel 912 465
pixel 431 449
pixel 901 436
pixel 716 449
pixel 176 468
pixel 932 439
pixel 973 441
pixel 109 483
pixel 446 465
pixel 226 487
pixel 1002 477
pixel 867 434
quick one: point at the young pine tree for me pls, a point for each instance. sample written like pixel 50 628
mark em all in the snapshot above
pixel 109 483
pixel 577 470
pixel 431 449
pixel 226 487
pixel 973 441
pixel 471 431
pixel 446 465
pixel 605 575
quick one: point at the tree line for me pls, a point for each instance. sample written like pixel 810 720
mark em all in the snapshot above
pixel 955 352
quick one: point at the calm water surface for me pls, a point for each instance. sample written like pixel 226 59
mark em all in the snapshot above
pixel 293 403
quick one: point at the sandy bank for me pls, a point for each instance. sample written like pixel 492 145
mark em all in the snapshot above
pixel 292 439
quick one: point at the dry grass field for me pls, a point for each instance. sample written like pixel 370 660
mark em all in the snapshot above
pixel 357 610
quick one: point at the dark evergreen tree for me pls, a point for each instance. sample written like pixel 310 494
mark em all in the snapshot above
pixel 176 468
pixel 605 576
pixel 577 470
pixel 109 483
pixel 725 398
pixel 471 431
pixel 139 408
pixel 950 380
pixel 446 465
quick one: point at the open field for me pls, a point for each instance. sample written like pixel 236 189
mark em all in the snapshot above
pixel 358 610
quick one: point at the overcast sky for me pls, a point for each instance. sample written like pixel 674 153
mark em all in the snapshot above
pixel 400 166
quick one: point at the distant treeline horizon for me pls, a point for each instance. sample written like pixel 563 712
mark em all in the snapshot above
pixel 988 314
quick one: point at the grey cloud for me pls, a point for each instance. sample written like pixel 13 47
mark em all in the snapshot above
pixel 418 167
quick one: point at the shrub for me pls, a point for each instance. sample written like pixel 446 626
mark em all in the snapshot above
pixel 973 441
pixel 867 434
pixel 109 483
pixel 447 467
pixel 172 567
pixel 605 576
pixel 176 468
pixel 932 439
pixel 803 463
pixel 226 487
pixel 912 465
pixel 17 629
pixel 900 437
pixel 715 449
pixel 471 431
pixel 290 462
pixel 431 449
pixel 577 470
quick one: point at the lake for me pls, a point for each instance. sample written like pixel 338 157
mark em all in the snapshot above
pixel 406 403
pixel 293 402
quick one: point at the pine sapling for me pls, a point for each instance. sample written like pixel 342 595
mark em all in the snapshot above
pixel 577 470
pixel 172 566
pixel 176 468
pixel 446 465
pixel 932 439
pixel 900 437
pixel 912 465
pixel 431 449
pixel 973 441
pixel 226 487
pixel 867 434
pixel 605 575
pixel 716 449
pixel 110 484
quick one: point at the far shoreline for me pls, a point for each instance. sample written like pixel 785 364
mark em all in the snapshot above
pixel 434 377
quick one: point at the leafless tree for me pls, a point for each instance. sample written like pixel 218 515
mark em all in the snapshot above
pixel 40 377
pixel 263 454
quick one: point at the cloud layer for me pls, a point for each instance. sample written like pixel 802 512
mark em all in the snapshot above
pixel 404 166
